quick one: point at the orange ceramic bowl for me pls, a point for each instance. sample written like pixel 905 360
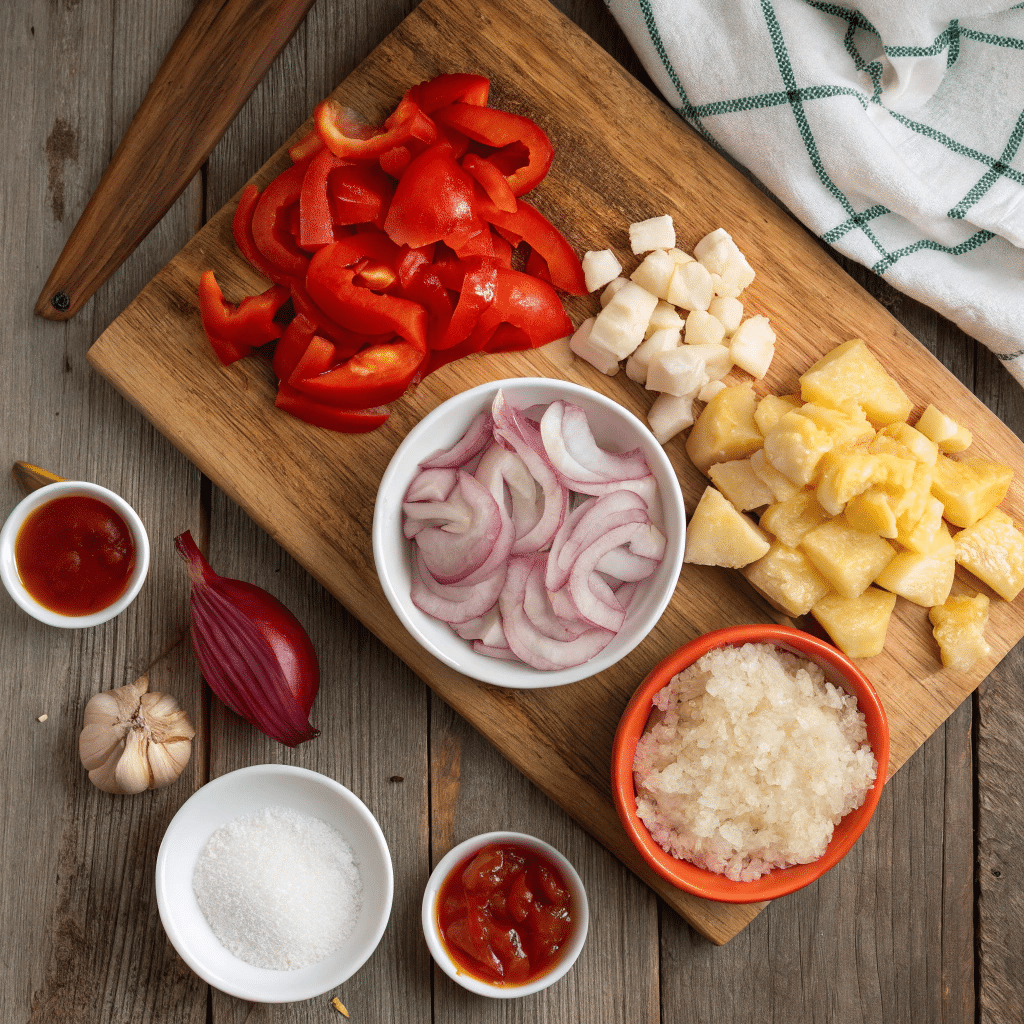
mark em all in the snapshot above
pixel 840 671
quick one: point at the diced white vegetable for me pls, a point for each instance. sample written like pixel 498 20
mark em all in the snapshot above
pixel 704 329
pixel 640 360
pixel 597 357
pixel 664 317
pixel 611 288
pixel 599 267
pixel 669 414
pixel 691 286
pixel 710 389
pixel 678 371
pixel 620 326
pixel 717 360
pixel 680 257
pixel 654 233
pixel 753 346
pixel 655 272
pixel 721 256
pixel 728 311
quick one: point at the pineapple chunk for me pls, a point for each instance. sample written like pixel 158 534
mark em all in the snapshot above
pixel 847 558
pixel 947 434
pixel 794 446
pixel 857 625
pixel 993 549
pixel 782 487
pixel 740 484
pixel 787 579
pixel 959 627
pixel 850 371
pixel 846 426
pixel 843 474
pixel 871 512
pixel 772 408
pixel 916 445
pixel 791 519
pixel 719 534
pixel 969 489
pixel 725 430
pixel 921 536
pixel 924 578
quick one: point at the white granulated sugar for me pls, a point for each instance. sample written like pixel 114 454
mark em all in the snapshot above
pixel 751 760
pixel 280 889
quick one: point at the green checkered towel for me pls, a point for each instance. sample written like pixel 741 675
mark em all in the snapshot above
pixel 893 132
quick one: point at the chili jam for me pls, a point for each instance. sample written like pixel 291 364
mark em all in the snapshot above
pixel 75 555
pixel 505 913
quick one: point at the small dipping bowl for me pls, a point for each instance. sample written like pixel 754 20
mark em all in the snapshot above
pixel 245 792
pixel 616 429
pixel 9 566
pixel 840 671
pixel 432 930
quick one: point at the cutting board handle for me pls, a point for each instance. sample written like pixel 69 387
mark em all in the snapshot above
pixel 215 63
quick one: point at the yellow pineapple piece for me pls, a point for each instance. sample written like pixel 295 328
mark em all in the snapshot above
pixel 780 485
pixel 772 408
pixel 993 549
pixel 871 512
pixel 857 625
pixel 787 579
pixel 846 426
pixel 845 473
pixel 850 371
pixel 921 535
pixel 719 534
pixel 791 519
pixel 959 627
pixel 970 488
pixel 847 558
pixel 740 484
pixel 725 430
pixel 795 446
pixel 948 435
pixel 905 441
pixel 926 577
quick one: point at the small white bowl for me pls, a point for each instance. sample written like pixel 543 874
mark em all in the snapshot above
pixel 9 567
pixel 432 931
pixel 616 429
pixel 244 792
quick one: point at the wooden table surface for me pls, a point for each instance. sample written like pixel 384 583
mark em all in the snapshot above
pixel 920 923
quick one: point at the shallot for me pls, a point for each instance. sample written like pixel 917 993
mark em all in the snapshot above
pixel 530 538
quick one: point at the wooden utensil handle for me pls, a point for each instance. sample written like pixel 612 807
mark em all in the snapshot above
pixel 218 58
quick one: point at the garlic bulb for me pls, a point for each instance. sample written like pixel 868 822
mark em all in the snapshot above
pixel 134 740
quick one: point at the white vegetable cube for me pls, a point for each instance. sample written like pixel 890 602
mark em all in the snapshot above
pixel 670 414
pixel 654 344
pixel 679 371
pixel 752 347
pixel 600 267
pixel 721 256
pixel 691 286
pixel 611 288
pixel 680 257
pixel 717 360
pixel 712 388
pixel 655 273
pixel 621 325
pixel 653 233
pixel 704 329
pixel 600 359
pixel 728 311
pixel 665 317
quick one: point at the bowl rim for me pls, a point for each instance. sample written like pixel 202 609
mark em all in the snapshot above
pixel 435 943
pixel 386 524
pixel 182 829
pixel 840 670
pixel 36 499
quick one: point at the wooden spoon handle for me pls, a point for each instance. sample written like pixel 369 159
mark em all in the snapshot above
pixel 217 60
pixel 31 478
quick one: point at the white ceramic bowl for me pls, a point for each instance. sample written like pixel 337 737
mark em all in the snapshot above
pixel 616 429
pixel 9 568
pixel 244 792
pixel 432 931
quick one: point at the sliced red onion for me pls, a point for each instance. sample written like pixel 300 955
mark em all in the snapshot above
pixel 624 565
pixel 648 542
pixel 591 595
pixel 431 485
pixel 500 468
pixel 472 442
pixel 486 628
pixel 538 608
pixel 451 602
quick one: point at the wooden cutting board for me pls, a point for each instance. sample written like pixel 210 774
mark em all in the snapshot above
pixel 621 155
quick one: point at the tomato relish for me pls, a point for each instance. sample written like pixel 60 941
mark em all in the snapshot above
pixel 75 555
pixel 505 914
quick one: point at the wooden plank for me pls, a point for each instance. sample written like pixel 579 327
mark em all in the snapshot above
pixel 299 484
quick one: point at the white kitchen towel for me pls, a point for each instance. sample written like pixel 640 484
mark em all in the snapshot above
pixel 893 131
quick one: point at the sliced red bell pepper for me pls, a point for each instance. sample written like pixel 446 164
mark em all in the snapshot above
pixel 378 374
pixel 270 222
pixel 316 219
pixel 359 194
pixel 526 303
pixel 292 344
pixel 426 288
pixel 234 331
pixel 342 137
pixel 452 88
pixel 308 145
pixel 498 129
pixel 491 180
pixel 320 414
pixel 241 229
pixel 319 357
pixel 476 293
pixel 346 340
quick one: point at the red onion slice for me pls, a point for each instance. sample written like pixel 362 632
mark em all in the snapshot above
pixel 431 485
pixel 453 603
pixel 591 595
pixel 624 565
pixel 471 443
pixel 570 445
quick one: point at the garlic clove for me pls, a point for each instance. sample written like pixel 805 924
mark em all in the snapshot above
pixel 165 719
pixel 98 741
pixel 104 775
pixel 167 760
pixel 132 770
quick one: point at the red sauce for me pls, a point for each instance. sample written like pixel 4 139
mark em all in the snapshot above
pixel 505 914
pixel 75 555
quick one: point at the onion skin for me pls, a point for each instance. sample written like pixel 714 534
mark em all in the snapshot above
pixel 253 652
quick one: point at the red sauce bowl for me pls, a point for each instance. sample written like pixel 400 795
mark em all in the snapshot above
pixel 25 597
pixel 840 671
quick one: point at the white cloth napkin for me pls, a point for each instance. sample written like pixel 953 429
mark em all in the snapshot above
pixel 894 131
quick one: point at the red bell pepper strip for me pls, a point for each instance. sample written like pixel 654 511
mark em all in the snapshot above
pixel 500 128
pixel 291 345
pixel 316 219
pixel 270 229
pixel 241 229
pixel 320 414
pixel 378 374
pixel 308 145
pixel 342 138
pixel 491 180
pixel 359 194
pixel 426 288
pixel 477 292
pixel 347 341
pixel 234 331
pixel 319 357
pixel 452 88
pixel 526 303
